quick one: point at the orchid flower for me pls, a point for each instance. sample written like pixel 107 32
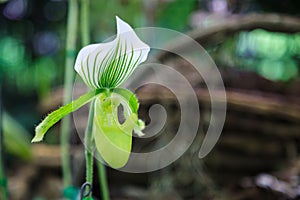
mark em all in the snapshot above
pixel 104 67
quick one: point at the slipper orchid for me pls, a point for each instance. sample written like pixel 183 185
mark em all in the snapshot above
pixel 104 67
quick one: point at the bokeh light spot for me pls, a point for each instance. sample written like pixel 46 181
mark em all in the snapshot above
pixel 278 70
pixel 12 52
pixel 46 43
pixel 15 9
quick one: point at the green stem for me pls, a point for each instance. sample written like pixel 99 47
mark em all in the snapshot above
pixel 85 39
pixel 69 76
pixel 103 180
pixel 89 148
pixel 85 36
pixel 88 135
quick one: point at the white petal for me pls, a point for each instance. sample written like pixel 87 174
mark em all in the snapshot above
pixel 122 27
pixel 110 64
pixel 87 63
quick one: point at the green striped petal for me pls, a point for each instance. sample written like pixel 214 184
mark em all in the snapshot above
pixel 108 65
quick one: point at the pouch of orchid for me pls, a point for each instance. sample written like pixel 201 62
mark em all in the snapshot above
pixel 104 67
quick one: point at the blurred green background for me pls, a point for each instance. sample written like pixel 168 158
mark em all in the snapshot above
pixel 32 48
pixel 32 39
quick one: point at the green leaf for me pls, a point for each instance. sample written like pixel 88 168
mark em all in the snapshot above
pixel 55 116
pixel 114 140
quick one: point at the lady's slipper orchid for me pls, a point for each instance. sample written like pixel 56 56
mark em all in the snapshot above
pixel 104 67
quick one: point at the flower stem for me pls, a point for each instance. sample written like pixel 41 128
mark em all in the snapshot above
pixel 88 135
pixel 89 147
pixel 69 76
pixel 103 181
pixel 85 39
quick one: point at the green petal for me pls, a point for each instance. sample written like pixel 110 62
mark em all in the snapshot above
pixel 114 140
pixel 56 115
pixel 130 97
